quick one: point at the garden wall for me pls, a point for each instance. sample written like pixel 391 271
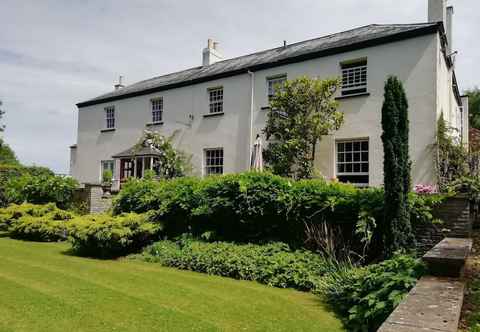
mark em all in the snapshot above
pixel 93 200
pixel 457 223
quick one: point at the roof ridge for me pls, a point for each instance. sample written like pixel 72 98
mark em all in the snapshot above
pixel 363 35
pixel 282 47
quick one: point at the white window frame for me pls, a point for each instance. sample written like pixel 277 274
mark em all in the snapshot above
pixel 103 168
pixel 354 76
pixel 215 100
pixel 109 117
pixel 206 158
pixel 342 159
pixel 156 107
pixel 273 82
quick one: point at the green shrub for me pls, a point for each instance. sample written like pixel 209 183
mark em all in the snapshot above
pixel 274 264
pixel 260 207
pixel 104 235
pixel 40 189
pixel 35 222
pixel 15 211
pixel 365 297
pixel 48 228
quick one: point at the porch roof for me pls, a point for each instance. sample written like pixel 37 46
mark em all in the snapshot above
pixel 134 151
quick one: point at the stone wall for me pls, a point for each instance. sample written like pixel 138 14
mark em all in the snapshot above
pixel 456 223
pixel 93 198
pixel 435 303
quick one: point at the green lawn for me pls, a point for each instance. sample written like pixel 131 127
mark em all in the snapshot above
pixel 44 289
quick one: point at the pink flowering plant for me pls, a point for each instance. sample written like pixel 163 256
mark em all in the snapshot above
pixel 425 189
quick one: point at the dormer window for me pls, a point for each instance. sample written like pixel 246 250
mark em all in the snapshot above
pixel 354 77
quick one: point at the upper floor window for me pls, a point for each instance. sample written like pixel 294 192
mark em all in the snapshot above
pixel 352 161
pixel 110 117
pixel 213 161
pixel 215 96
pixel 157 110
pixel 354 77
pixel 275 83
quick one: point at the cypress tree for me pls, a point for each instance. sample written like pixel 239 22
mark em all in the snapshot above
pixel 397 229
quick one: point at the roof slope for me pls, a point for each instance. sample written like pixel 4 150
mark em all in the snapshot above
pixel 365 36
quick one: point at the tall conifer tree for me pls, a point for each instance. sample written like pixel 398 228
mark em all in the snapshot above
pixel 397 228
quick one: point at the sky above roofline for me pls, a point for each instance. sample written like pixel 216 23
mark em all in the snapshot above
pixel 56 53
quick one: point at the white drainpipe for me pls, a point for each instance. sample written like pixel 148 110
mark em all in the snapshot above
pixel 250 141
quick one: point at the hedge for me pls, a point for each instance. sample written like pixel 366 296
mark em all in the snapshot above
pixel 274 264
pixel 40 189
pixel 259 207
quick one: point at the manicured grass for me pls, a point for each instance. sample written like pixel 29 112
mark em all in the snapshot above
pixel 44 289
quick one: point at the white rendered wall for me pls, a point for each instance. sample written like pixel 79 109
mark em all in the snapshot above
pixel 414 61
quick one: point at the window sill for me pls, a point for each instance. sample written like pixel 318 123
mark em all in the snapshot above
pixel 213 114
pixel 363 94
pixel 106 130
pixel 151 124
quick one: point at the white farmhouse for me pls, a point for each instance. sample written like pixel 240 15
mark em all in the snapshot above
pixel 218 108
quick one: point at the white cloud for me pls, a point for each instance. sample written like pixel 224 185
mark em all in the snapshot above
pixel 56 53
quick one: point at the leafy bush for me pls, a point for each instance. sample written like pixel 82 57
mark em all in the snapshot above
pixel 40 189
pixel 259 207
pixel 274 264
pixel 104 235
pixel 35 222
pixel 366 296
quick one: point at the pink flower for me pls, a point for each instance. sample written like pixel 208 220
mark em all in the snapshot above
pixel 425 189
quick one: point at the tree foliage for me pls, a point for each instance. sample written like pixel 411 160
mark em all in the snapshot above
pixel 396 168
pixel 301 112
pixel 474 107
pixel 2 112
pixel 7 156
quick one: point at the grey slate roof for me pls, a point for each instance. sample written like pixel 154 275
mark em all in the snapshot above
pixel 135 152
pixel 365 36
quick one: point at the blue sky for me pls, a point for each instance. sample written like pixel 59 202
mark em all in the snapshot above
pixel 54 54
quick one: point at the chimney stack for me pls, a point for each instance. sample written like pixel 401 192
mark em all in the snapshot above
pixel 449 29
pixel 437 11
pixel 119 85
pixel 210 53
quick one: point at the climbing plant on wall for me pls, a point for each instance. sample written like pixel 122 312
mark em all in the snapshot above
pixel 171 162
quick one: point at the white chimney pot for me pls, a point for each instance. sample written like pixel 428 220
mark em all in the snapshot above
pixel 210 54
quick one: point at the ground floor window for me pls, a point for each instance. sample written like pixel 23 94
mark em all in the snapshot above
pixel 213 161
pixel 352 161
pixel 107 165
pixel 127 168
